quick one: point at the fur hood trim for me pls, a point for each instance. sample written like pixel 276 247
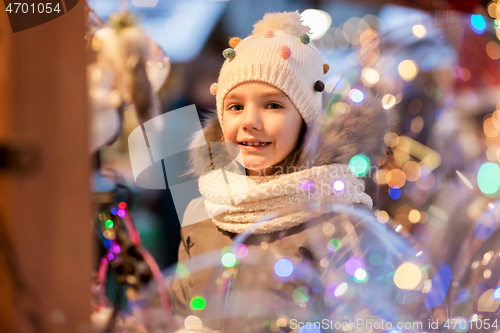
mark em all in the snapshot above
pixel 328 140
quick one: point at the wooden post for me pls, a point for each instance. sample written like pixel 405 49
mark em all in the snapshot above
pixel 43 100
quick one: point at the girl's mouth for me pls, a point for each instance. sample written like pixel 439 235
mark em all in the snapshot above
pixel 254 144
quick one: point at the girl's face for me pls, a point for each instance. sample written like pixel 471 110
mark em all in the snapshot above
pixel 265 124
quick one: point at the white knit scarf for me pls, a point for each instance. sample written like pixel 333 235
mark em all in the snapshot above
pixel 234 200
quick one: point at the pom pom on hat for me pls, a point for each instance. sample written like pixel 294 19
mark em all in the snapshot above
pixel 285 51
pixel 289 22
pixel 229 53
pixel 213 88
pixel 234 41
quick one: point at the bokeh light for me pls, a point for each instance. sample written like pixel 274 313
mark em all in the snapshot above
pixel 395 193
pixel 477 23
pixel 353 264
pixel 197 303
pixel 328 228
pixel 419 30
pixel 356 95
pixel 462 296
pixel 370 75
pixel 341 289
pixel 488 178
pixel 334 245
pixel 193 323
pixel 342 107
pixel 115 248
pixel 306 185
pixel 359 165
pixel 396 178
pixel 487 302
pixel 417 124
pixel 299 295
pixel 338 185
pixel 228 260
pixel 388 101
pixel 440 114
pixel 110 235
pixel 391 139
pixel 491 127
pixel 464 74
pixel 424 172
pixel 360 275
pixel 283 267
pixel 440 284
pixel 382 216
pixel 182 271
pixel 414 216
pixel 493 10
pixel 407 69
pixel 335 82
pixel 121 212
pixel 318 20
pixel 496 294
pixel 408 276
pixel 493 50
pixel 122 205
pixel 240 251
pixel 330 289
pixel 486 224
pixel 411 169
pixel 380 176
pixel 109 224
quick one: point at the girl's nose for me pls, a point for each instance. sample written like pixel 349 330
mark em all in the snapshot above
pixel 252 118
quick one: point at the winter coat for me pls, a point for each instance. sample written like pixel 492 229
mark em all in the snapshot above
pixel 334 270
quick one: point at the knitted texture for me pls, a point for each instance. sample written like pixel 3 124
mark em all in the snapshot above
pixel 258 59
pixel 234 201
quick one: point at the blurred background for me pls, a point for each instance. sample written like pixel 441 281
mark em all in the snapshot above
pixel 434 62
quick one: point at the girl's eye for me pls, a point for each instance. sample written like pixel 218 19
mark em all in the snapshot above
pixel 235 107
pixel 274 106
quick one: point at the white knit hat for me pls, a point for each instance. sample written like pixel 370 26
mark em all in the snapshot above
pixel 278 53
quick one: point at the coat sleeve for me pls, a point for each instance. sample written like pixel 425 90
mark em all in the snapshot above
pixel 178 289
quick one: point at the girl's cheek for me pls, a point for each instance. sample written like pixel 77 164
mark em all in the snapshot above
pixel 230 130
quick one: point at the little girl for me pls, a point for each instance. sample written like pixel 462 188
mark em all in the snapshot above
pixel 291 239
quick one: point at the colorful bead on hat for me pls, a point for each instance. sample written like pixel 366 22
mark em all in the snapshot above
pixel 213 89
pixel 267 33
pixel 326 68
pixel 304 38
pixel 279 52
pixel 285 51
pixel 229 53
pixel 234 41
pixel 319 86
